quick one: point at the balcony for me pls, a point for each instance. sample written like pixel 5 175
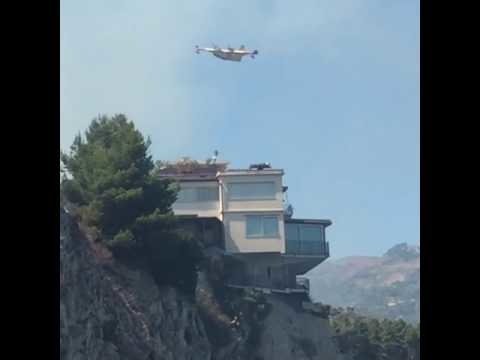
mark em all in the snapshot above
pixel 320 248
pixel 306 237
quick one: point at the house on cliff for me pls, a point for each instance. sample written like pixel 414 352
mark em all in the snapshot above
pixel 244 212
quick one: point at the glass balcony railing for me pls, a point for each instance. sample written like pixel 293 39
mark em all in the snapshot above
pixel 307 248
pixel 306 239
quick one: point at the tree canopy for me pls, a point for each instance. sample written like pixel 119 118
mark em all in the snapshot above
pixel 372 339
pixel 112 182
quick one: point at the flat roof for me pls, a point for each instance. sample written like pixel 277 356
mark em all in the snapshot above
pixel 325 222
pixel 193 171
pixel 233 172
pixel 188 177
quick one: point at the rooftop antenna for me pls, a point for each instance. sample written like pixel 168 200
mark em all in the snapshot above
pixel 214 157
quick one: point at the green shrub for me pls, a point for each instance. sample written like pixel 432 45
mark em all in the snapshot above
pixel 370 338
pixel 124 240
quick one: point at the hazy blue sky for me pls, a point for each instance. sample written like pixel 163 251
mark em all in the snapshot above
pixel 332 98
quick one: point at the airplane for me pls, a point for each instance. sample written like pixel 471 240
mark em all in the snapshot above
pixel 229 53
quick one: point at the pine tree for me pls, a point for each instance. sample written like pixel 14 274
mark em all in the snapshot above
pixel 112 183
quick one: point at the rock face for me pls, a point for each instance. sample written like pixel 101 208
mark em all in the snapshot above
pixel 109 312
pixel 385 286
pixel 292 333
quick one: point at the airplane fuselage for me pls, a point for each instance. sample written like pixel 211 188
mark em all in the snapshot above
pixel 228 54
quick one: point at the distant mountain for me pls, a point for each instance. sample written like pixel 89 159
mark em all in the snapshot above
pixel 382 286
pixel 403 252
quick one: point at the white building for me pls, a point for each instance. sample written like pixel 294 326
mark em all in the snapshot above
pixel 268 248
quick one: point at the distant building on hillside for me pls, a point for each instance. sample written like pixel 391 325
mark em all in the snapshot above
pixel 244 212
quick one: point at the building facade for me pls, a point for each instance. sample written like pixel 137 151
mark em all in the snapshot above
pixel 243 212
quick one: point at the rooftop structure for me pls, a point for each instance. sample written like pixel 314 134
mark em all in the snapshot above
pixel 187 170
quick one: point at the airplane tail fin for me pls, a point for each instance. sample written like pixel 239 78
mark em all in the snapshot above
pixel 254 52
pixel 197 49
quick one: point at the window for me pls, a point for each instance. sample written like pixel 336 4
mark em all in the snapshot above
pixel 304 238
pixel 291 232
pixel 207 194
pixel 198 194
pixel 302 232
pixel 311 233
pixel 262 226
pixel 186 195
pixel 254 226
pixel 270 226
pixel 253 191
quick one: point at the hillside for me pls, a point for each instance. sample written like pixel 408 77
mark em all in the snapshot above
pixel 384 286
pixel 111 312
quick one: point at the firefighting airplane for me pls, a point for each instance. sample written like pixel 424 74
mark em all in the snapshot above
pixel 229 53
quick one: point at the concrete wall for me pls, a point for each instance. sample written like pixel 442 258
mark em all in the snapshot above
pixel 235 212
pixel 235 228
pixel 260 270
pixel 199 208
pixel 272 271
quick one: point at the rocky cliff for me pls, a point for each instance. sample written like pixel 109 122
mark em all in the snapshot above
pixel 110 312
